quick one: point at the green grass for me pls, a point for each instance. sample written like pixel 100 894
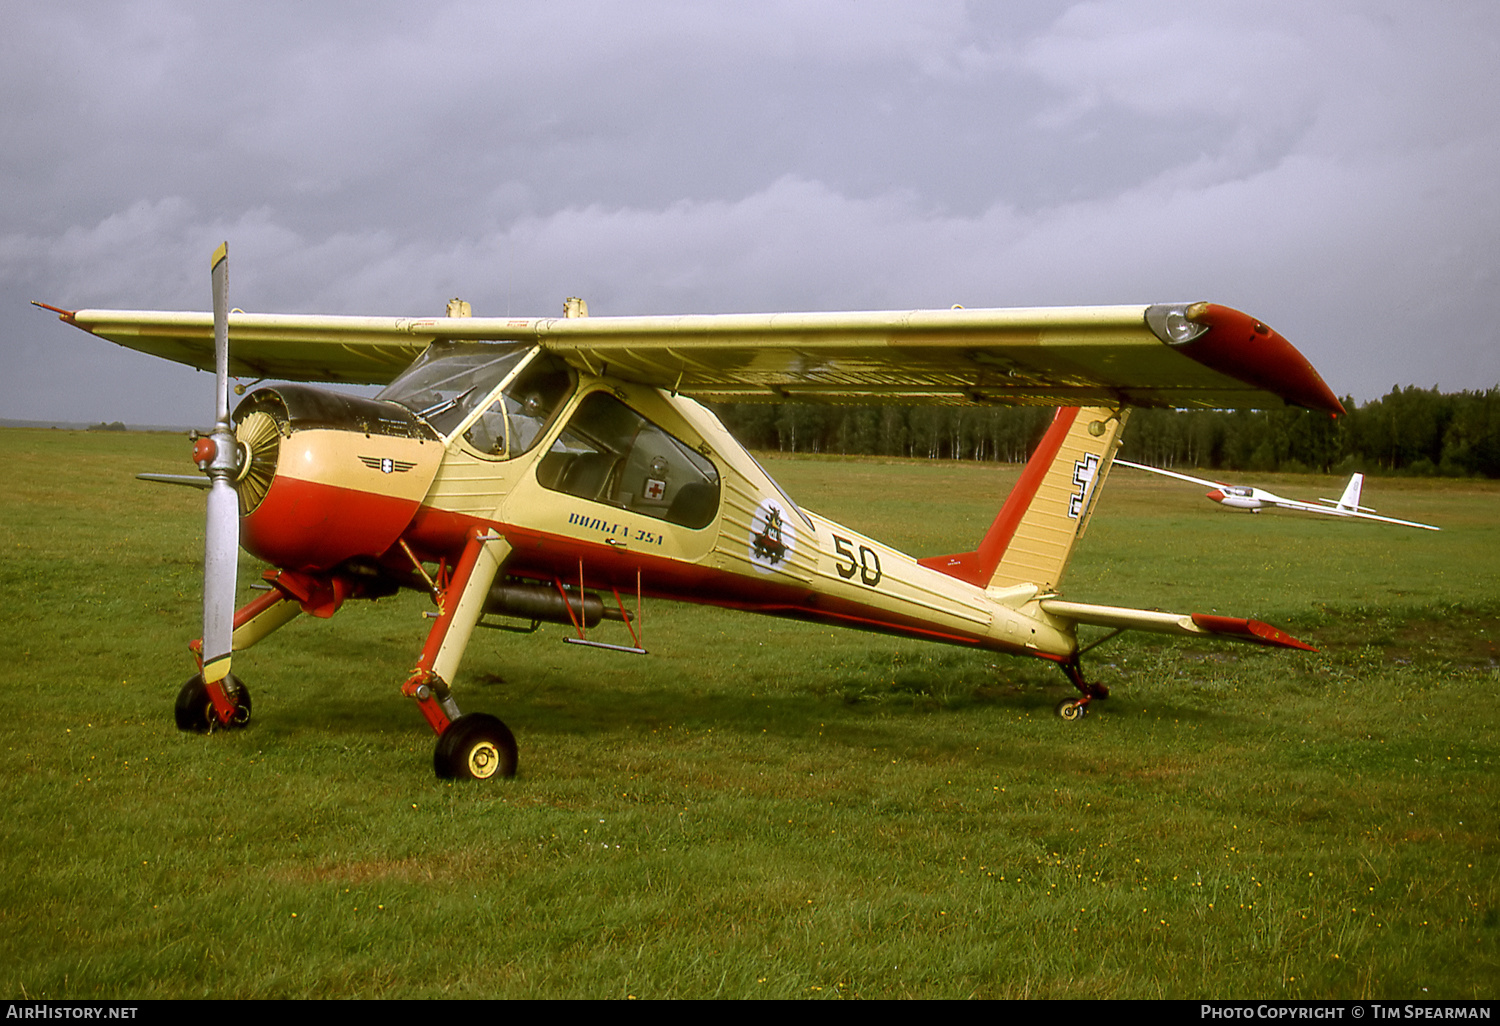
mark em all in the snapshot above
pixel 760 808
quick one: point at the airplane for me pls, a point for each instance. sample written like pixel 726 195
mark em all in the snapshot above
pixel 1256 499
pixel 528 470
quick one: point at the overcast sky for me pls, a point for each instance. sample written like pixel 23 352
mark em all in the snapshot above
pixel 1329 167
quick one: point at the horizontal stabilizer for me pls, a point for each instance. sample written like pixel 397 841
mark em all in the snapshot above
pixel 1189 624
pixel 1248 630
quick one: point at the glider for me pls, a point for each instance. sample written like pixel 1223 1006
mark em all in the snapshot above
pixel 1256 499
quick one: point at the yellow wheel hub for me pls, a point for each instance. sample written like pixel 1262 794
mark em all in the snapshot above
pixel 484 760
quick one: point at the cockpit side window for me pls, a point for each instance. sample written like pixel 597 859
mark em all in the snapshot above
pixel 609 453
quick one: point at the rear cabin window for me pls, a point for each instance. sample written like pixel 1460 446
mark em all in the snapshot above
pixel 609 453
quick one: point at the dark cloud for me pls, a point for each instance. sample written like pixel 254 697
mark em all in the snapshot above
pixel 1324 166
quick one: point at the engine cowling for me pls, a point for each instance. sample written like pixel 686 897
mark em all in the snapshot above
pixel 326 477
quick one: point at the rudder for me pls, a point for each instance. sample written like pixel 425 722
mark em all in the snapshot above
pixel 1350 499
pixel 1047 511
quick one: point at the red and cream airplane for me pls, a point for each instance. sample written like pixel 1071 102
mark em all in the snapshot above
pixel 558 469
pixel 1248 497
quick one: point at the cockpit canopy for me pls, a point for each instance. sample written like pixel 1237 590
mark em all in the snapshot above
pixel 451 381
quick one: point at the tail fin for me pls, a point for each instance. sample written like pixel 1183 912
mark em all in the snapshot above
pixel 1049 507
pixel 1350 499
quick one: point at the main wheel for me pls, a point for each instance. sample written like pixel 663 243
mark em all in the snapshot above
pixel 476 746
pixel 1071 709
pixel 195 710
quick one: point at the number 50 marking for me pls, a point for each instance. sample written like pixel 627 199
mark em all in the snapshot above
pixel 866 564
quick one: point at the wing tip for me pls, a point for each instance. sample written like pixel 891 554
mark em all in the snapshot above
pixel 1245 348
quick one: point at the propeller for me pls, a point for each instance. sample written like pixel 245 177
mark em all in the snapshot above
pixel 219 459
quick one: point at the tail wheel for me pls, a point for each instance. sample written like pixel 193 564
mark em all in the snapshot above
pixel 476 746
pixel 195 710
pixel 1071 709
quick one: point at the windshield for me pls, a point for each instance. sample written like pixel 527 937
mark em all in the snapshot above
pixel 450 378
pixel 515 421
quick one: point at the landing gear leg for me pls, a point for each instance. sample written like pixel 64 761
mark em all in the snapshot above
pixel 1074 709
pixel 197 709
pixel 474 746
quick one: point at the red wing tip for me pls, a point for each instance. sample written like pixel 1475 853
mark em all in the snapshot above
pixel 1244 348
pixel 1249 630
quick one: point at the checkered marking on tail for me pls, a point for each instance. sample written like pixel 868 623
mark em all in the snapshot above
pixel 1083 475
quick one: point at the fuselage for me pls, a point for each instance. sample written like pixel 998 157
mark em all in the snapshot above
pixel 596 484
pixel 1243 497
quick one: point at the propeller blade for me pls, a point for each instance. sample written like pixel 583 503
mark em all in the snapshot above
pixel 220 280
pixel 222 538
pixel 220 566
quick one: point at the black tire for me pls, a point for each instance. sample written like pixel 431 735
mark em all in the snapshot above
pixel 195 710
pixel 476 746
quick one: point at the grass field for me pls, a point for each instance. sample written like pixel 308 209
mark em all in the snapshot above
pixel 759 808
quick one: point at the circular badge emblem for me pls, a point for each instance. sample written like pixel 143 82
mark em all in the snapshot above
pixel 772 539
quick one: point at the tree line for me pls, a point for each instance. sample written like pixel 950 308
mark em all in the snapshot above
pixel 1407 431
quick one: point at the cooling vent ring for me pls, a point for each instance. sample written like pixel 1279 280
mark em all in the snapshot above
pixel 259 437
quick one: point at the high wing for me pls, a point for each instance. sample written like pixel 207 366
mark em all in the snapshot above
pixel 1334 511
pixel 1177 355
pixel 1171 473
